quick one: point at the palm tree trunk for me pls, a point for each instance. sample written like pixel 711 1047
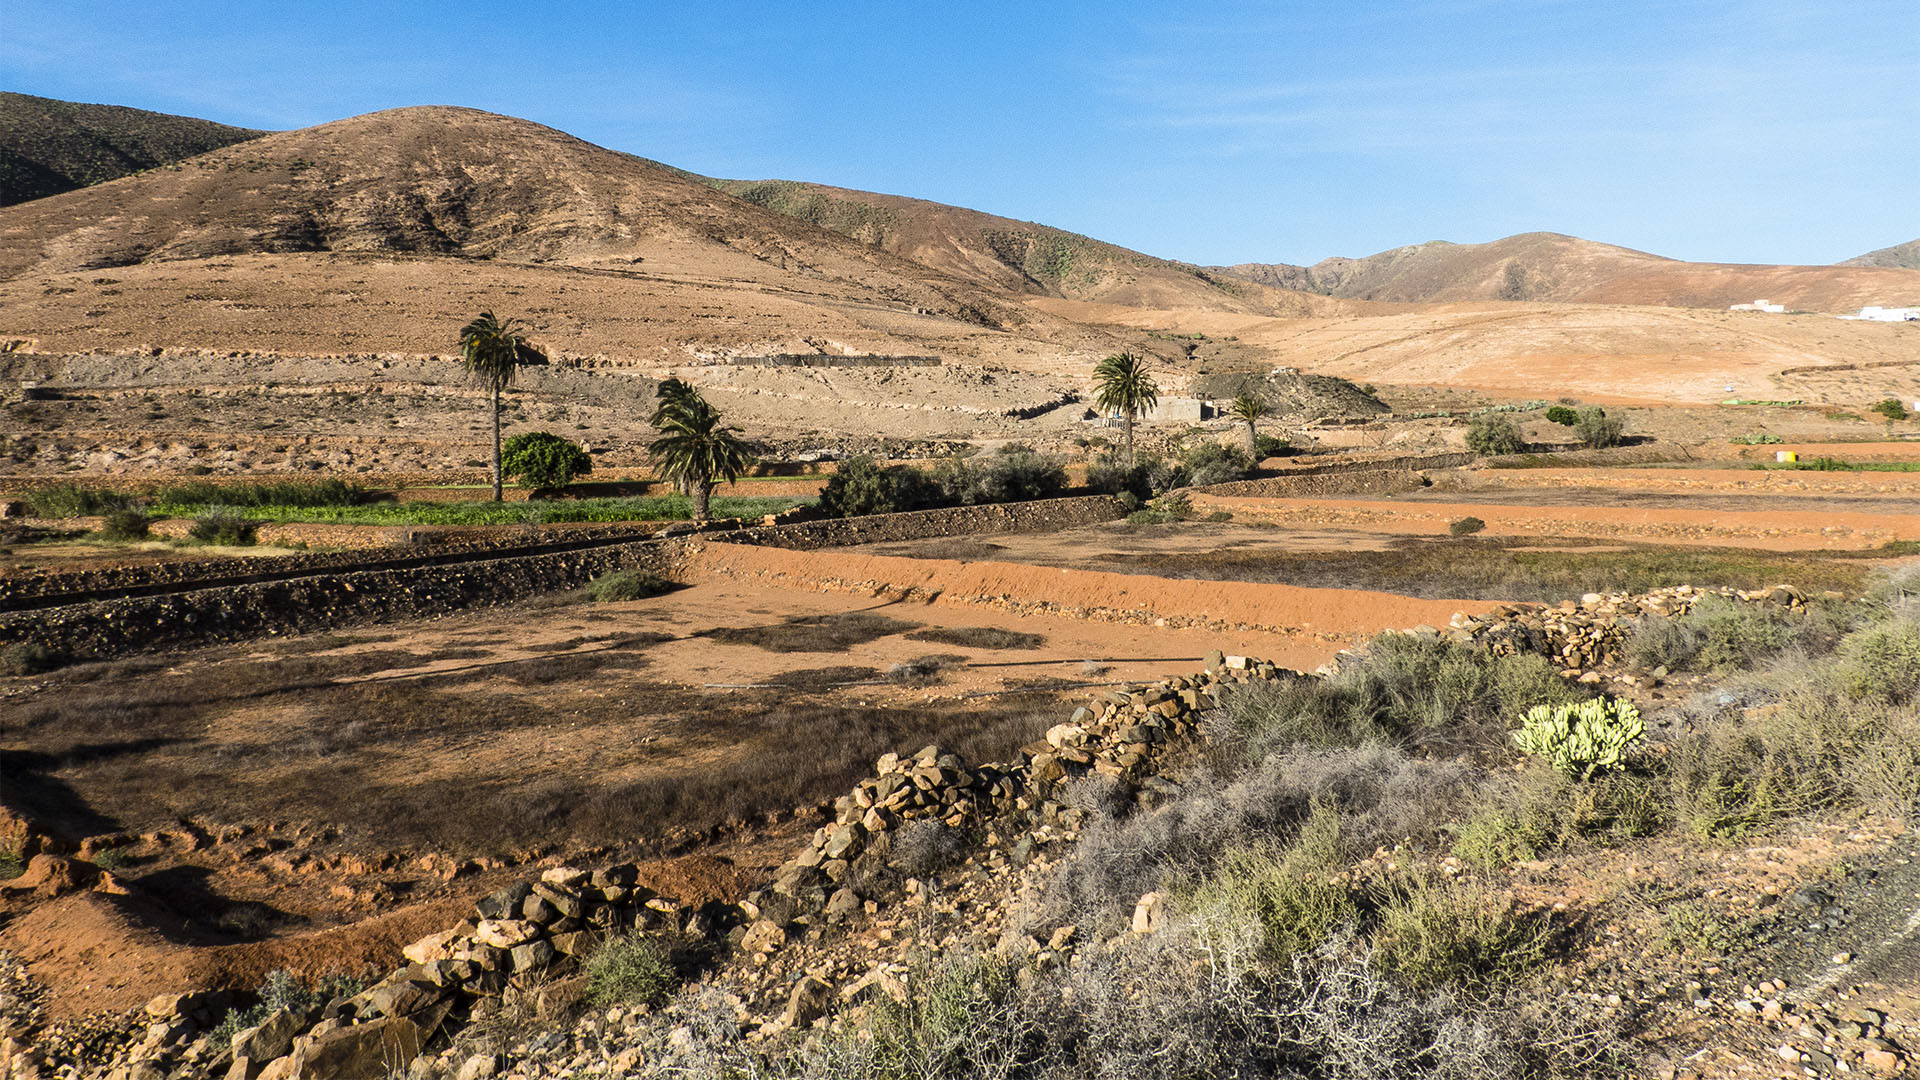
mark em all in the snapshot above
pixel 1253 443
pixel 702 489
pixel 1126 420
pixel 498 495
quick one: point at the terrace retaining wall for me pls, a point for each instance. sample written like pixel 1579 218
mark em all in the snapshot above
pixel 301 594
pixel 1040 515
pixel 104 628
pixel 1320 485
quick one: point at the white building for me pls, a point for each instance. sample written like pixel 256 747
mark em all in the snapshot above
pixel 1877 313
pixel 1760 305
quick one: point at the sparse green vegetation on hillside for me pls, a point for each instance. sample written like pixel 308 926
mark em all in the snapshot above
pixel 49 146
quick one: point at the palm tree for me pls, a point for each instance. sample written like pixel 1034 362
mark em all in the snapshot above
pixel 694 450
pixel 492 351
pixel 673 393
pixel 1248 409
pixel 1123 384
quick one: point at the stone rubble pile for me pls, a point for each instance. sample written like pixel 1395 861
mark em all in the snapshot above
pixel 531 928
pixel 1122 736
pixel 1582 637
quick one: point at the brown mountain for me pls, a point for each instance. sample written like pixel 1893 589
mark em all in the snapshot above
pixel 1015 256
pixel 1553 267
pixel 49 146
pixel 1900 256
pixel 447 181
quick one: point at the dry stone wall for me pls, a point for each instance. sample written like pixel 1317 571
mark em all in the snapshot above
pixel 317 602
pixel 1040 515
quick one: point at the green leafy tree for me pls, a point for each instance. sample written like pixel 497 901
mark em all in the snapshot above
pixel 695 450
pixel 492 351
pixel 1123 384
pixel 1560 414
pixel 861 485
pixel 1249 409
pixel 544 460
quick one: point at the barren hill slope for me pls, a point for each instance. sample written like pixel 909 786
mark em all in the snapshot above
pixel 1553 267
pixel 49 146
pixel 450 182
pixel 1017 256
pixel 1900 256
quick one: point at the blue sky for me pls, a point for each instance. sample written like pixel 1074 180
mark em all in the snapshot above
pixel 1217 133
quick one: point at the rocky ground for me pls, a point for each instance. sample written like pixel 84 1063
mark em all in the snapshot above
pixel 1795 954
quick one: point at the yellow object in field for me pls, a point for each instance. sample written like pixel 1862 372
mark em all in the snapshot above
pixel 1785 456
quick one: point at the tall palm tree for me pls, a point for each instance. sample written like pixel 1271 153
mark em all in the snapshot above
pixel 492 351
pixel 1123 384
pixel 695 450
pixel 1248 409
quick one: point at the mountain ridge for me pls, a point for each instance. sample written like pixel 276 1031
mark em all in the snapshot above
pixel 1557 268
pixel 49 146
pixel 1899 256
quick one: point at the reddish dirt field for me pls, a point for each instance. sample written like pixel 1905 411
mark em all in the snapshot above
pixel 351 755
pixel 1772 530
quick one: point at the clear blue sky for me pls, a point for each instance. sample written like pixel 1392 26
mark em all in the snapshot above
pixel 1781 131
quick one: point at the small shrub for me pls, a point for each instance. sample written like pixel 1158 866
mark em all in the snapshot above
pixel 224 526
pixel 27 658
pixel 125 525
pixel 1164 510
pixel 1215 463
pixel 1266 446
pixel 1693 927
pixel 630 970
pixel 1434 932
pixel 622 585
pixel 961 1020
pixel 1596 429
pixel 1128 501
pixel 1882 661
pixel 1542 808
pixel 1762 438
pixel 1466 526
pixel 1403 689
pixel 1112 474
pixel 1721 635
pixel 1560 414
pixel 1491 435
pixel 1891 408
pixel 283 989
pixel 1581 738
pixel 925 846
pixel 543 459
pixel 1292 894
